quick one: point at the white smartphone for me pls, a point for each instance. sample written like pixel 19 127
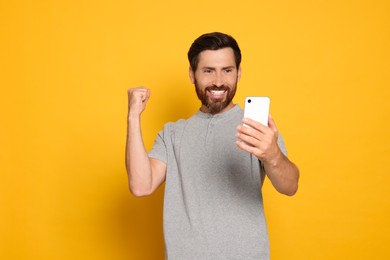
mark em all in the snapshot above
pixel 257 108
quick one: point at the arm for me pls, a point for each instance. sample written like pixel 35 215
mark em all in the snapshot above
pixel 145 174
pixel 261 141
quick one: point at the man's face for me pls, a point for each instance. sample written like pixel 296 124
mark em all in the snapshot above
pixel 216 80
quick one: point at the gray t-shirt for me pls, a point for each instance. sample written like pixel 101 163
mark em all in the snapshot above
pixel 213 206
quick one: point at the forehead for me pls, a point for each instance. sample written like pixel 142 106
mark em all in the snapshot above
pixel 217 58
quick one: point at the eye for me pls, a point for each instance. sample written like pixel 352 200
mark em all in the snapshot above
pixel 228 70
pixel 207 71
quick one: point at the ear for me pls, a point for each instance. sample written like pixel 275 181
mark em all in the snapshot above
pixel 192 75
pixel 239 74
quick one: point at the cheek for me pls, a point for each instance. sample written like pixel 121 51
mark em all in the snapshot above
pixel 203 82
pixel 232 80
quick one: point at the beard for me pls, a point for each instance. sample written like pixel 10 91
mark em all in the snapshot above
pixel 215 105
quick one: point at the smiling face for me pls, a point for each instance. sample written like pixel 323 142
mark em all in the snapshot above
pixel 215 80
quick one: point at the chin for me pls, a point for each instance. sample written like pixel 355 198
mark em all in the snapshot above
pixel 215 108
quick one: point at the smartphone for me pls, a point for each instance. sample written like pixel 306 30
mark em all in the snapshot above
pixel 257 108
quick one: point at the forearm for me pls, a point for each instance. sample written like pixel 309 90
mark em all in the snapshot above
pixel 138 166
pixel 283 174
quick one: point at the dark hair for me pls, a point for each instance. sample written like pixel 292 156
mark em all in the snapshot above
pixel 212 41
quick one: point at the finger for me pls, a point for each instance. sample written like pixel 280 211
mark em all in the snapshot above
pixel 245 146
pixel 254 124
pixel 248 148
pixel 243 130
pixel 134 91
pixel 271 124
pixel 141 93
pixel 250 139
pixel 129 91
pixel 147 94
pixel 246 138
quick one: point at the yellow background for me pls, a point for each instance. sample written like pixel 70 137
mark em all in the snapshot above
pixel 65 67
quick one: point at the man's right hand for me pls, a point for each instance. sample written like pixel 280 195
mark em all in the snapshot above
pixel 137 100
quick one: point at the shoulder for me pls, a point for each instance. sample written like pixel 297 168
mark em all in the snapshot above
pixel 234 114
pixel 170 128
pixel 177 124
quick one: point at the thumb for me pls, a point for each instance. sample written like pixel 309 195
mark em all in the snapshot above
pixel 271 123
pixel 147 95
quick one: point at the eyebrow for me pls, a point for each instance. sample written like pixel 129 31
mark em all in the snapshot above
pixel 213 68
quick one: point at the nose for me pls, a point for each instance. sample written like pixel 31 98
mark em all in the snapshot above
pixel 218 80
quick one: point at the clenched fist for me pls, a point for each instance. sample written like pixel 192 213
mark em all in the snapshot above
pixel 137 100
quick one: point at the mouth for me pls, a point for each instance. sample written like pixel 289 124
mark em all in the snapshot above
pixel 217 94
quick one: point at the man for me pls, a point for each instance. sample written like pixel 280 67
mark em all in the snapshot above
pixel 212 165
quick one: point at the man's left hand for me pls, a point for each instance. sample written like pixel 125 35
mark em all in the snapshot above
pixel 260 140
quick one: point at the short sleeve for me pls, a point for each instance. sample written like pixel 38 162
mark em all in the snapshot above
pixel 159 149
pixel 282 145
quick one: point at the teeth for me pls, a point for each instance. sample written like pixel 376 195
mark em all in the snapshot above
pixel 217 92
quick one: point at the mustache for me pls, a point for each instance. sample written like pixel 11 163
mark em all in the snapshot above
pixel 215 87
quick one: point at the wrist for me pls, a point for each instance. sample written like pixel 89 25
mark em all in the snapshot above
pixel 133 116
pixel 275 160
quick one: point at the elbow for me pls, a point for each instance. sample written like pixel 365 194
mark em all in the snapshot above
pixel 137 188
pixel 291 191
pixel 139 192
pixel 292 188
pixel 288 189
